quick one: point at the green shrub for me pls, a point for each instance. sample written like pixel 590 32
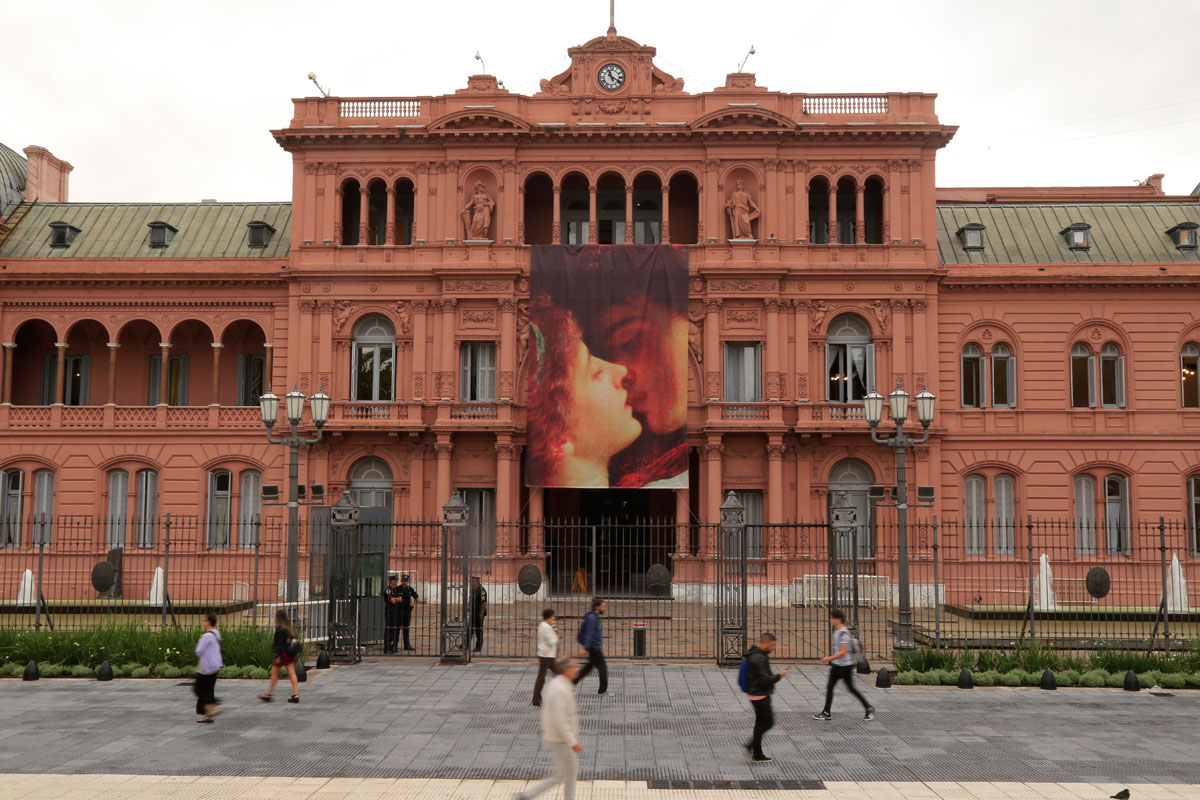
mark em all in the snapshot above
pixel 925 659
pixel 1149 678
pixel 160 670
pixel 994 661
pixel 230 672
pixel 258 674
pixel 931 678
pixel 1012 677
pixel 175 672
pixel 8 669
pixel 1173 680
pixel 47 670
pixel 127 669
pixel 1094 678
pixel 1193 679
pixel 950 676
pixel 1068 677
pixel 80 671
pixel 908 677
pixel 987 678
pixel 131 643
pixel 140 672
pixel 1114 680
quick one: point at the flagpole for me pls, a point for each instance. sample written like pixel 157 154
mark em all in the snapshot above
pixel 612 14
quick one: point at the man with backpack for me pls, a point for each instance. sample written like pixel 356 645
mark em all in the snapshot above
pixel 757 681
pixel 846 653
pixel 591 639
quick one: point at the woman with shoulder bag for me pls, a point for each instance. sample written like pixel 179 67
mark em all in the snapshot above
pixel 286 648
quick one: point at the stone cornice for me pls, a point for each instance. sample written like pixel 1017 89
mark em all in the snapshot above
pixel 141 303
pixel 951 283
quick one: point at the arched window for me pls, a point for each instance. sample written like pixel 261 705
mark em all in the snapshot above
pixel 373 376
pixel 1193 499
pixel 1116 514
pixel 350 212
pixel 1085 515
pixel 1112 377
pixel 371 483
pixel 975 515
pixel 145 515
pixel 1004 490
pixel 972 377
pixel 849 480
pixel 405 211
pixel 818 211
pixel 376 212
pixel 849 359
pixel 250 513
pixel 1189 367
pixel 118 507
pixel 220 505
pixel 873 210
pixel 1083 377
pixel 12 486
pixel 1004 377
pixel 43 505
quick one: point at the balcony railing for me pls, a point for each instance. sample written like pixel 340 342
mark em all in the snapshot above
pixel 846 104
pixel 836 412
pixel 134 417
pixel 367 415
pixel 749 412
pixel 379 109
pixel 473 411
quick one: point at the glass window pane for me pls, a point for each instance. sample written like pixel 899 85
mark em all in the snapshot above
pixel 1189 366
pixel 387 362
pixel 118 504
pixel 364 385
pixel 1085 515
pixel 1108 381
pixel 219 483
pixel 1000 379
pixel 146 508
pixel 970 379
pixel 43 506
pixel 1079 381
pixel 251 508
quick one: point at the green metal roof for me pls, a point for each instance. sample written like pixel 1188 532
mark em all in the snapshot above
pixel 1030 233
pixel 119 230
pixel 12 176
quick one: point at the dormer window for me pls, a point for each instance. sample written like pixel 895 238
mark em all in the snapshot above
pixel 971 236
pixel 1078 235
pixel 260 233
pixel 62 234
pixel 161 233
pixel 1184 235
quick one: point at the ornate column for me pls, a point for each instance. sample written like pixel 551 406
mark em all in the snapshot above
pixel 337 217
pixel 860 226
pixel 420 361
pixel 774 383
pixel 711 216
pixel 887 212
pixel 164 373
pixel 683 529
pixel 665 233
pixel 629 214
pixel 10 350
pixel 60 379
pixel 900 364
pixel 802 365
pixel 364 210
pixel 416 483
pixel 802 223
pixel 113 347
pixel 768 201
pixel 268 365
pixel 510 209
pixel 556 225
pixel 420 225
pixel 506 383
pixel 712 350
pixel 389 221
pixel 775 452
pixel 592 213
pixel 445 377
pixel 444 450
pixel 504 461
pixel 916 196
pixel 537 514
pixel 833 228
pixel 713 453
pixel 216 376
pixel 520 211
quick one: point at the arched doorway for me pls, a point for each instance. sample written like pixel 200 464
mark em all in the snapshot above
pixel 850 515
pixel 371 483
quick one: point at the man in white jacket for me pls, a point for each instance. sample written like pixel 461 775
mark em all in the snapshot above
pixel 547 650
pixel 560 732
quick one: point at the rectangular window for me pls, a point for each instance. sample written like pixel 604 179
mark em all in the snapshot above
pixel 1112 381
pixel 219 491
pixel 975 515
pixel 118 507
pixel 1194 511
pixel 1189 367
pixel 743 372
pixel 577 231
pixel 1116 515
pixel 145 519
pixel 11 489
pixel 1085 515
pixel 251 510
pixel 177 380
pixel 374 367
pixel 1083 381
pixel 1004 381
pixel 49 379
pixel 1004 489
pixel 251 370
pixel 79 376
pixel 972 381
pixel 851 372
pixel 752 502
pixel 646 232
pixel 43 506
pixel 477 372
pixel 480 534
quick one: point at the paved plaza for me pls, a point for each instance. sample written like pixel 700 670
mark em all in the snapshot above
pixel 418 729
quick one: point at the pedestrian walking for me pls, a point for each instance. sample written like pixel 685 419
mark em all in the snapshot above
pixel 547 650
pixel 591 639
pixel 391 614
pixel 759 686
pixel 208 651
pixel 560 732
pixel 841 668
pixel 286 648
pixel 478 612
pixel 408 599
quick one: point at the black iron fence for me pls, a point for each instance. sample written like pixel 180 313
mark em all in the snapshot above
pixel 674 591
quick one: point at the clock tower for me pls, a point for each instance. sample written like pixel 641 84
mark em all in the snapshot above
pixel 612 65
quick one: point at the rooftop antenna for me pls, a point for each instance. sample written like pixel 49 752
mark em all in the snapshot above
pixel 612 15
pixel 312 76
pixel 482 65
pixel 742 65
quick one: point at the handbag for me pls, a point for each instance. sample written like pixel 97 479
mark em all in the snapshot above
pixel 294 647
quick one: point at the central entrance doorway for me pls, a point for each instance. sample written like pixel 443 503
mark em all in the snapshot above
pixel 604 541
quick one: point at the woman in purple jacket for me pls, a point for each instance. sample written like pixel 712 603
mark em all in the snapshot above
pixel 208 650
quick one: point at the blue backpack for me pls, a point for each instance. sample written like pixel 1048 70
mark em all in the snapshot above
pixel 743 670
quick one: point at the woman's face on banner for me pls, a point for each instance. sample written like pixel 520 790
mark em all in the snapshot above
pixel 601 419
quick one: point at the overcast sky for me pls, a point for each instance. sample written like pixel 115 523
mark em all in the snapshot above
pixel 153 100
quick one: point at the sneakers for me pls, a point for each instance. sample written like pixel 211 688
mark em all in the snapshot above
pixel 824 716
pixel 762 759
pixel 870 715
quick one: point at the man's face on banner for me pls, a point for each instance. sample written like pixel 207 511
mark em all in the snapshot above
pixel 648 339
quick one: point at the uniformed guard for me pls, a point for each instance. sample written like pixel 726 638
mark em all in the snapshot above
pixel 478 611
pixel 408 599
pixel 392 599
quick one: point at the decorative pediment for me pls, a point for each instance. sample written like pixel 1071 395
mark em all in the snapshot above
pixel 636 74
pixel 743 119
pixel 482 84
pixel 474 120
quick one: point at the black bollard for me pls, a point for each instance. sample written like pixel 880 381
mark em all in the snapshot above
pixel 1048 681
pixel 1131 682
pixel 965 681
pixel 864 667
pixel 301 672
pixel 322 660
pixel 884 679
pixel 105 672
pixel 31 671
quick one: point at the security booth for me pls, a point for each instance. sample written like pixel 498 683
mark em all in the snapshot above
pixel 349 554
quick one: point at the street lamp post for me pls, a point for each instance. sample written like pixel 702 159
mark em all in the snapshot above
pixel 898 405
pixel 268 404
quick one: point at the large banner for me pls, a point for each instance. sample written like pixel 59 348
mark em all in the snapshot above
pixel 608 344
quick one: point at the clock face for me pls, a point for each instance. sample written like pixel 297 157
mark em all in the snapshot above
pixel 612 77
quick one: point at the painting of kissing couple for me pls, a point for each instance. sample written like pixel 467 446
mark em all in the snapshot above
pixel 607 369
